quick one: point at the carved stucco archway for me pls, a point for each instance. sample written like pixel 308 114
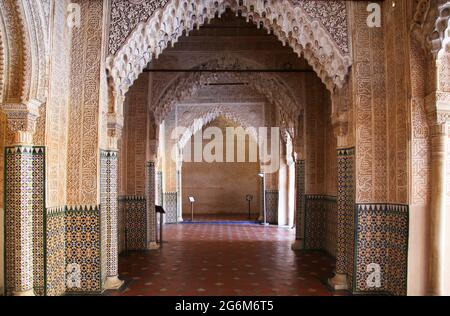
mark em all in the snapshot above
pixel 24 47
pixel 268 85
pixel 199 122
pixel 287 19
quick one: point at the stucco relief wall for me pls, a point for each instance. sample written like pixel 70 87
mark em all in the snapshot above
pixel 136 136
pixel 420 169
pixel 315 130
pixel 82 160
pixel 57 108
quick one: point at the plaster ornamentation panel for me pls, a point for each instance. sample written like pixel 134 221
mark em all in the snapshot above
pixel 291 23
pixel 369 93
pixel 84 107
pixel 126 15
pixel 187 85
pixel 57 110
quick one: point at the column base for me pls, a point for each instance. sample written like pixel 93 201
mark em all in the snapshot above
pixel 260 218
pixel 153 245
pixel 112 283
pixel 338 282
pixel 23 293
pixel 299 244
pixel 180 219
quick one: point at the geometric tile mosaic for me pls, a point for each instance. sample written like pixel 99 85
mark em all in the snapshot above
pixel 38 220
pixel 109 212
pixel 382 239
pixel 345 212
pixel 320 223
pixel 135 213
pixel 55 252
pixel 272 206
pixel 150 194
pixel 83 267
pixel 300 192
pixel 24 238
pixel 170 206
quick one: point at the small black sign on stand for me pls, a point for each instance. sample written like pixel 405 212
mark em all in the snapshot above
pixel 192 200
pixel 249 199
pixel 159 210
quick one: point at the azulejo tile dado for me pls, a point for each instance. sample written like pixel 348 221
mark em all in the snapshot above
pixel 300 191
pixel 25 238
pixel 135 222
pixel 381 248
pixel 55 251
pixel 320 223
pixel 83 252
pixel 345 212
pixel 170 206
pixel 272 206
pixel 109 212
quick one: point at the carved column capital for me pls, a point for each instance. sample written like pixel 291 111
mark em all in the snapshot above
pixel 339 123
pixel 22 119
pixel 152 150
pixel 437 106
pixel 115 127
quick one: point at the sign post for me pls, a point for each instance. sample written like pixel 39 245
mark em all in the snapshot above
pixel 192 200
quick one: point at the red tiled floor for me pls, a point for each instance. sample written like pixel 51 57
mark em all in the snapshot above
pixel 212 259
pixel 220 217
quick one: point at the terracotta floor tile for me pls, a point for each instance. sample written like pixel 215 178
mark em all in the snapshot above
pixel 226 259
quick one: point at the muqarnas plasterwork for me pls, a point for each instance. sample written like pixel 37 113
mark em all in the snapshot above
pixel 135 215
pixel 382 239
pixel 25 238
pixel 83 258
pixel 56 251
pixel 272 206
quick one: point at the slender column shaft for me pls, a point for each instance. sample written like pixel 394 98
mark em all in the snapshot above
pixel 300 205
pixel 150 200
pixel 438 202
pixel 345 209
pixel 109 208
pixel 19 220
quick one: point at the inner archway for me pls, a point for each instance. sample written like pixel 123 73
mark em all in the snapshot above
pixel 228 73
pixel 221 188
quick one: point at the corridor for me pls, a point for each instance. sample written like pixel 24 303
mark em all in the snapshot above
pixel 225 260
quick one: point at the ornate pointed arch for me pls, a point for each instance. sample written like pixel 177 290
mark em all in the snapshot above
pixel 206 118
pixel 268 85
pixel 288 20
pixel 23 60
